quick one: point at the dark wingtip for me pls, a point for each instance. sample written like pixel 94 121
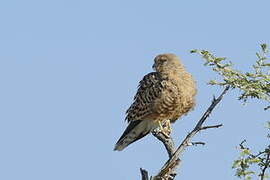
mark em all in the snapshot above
pixel 119 146
pixel 116 148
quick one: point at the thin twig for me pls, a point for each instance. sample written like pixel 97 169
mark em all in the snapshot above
pixel 144 174
pixel 208 127
pixel 197 143
pixel 212 106
pixel 266 165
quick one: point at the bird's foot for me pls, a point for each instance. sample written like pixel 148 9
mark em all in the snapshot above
pixel 168 127
pixel 165 128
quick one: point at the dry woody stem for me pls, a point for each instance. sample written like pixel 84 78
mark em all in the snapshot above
pixel 168 171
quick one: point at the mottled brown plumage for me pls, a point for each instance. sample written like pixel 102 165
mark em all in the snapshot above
pixel 166 94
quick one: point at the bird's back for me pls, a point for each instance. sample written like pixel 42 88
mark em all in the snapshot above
pixel 166 94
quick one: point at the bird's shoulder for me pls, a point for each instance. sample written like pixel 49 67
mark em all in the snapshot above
pixel 149 89
pixel 150 80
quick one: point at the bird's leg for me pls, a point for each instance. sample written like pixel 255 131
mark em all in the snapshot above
pixel 168 126
pixel 160 126
pixel 163 130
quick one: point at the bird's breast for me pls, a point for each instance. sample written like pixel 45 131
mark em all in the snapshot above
pixel 177 98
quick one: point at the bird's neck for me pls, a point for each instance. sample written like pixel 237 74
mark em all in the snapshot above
pixel 172 73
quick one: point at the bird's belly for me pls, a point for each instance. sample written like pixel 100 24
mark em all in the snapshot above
pixel 182 109
pixel 166 113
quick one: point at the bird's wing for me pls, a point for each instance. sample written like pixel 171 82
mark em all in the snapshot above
pixel 140 113
pixel 149 90
pixel 135 131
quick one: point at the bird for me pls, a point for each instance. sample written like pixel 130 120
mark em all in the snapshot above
pixel 163 96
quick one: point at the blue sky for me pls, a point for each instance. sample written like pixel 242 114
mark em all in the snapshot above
pixel 69 70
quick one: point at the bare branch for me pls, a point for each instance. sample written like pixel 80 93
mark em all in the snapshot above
pixel 144 174
pixel 266 165
pixel 174 160
pixel 168 171
pixel 197 143
pixel 167 142
pixel 170 147
pixel 210 109
pixel 208 127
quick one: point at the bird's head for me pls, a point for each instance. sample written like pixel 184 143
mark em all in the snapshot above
pixel 167 63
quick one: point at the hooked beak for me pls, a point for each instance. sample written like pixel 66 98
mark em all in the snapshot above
pixel 154 66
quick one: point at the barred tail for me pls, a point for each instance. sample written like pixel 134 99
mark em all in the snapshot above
pixel 135 131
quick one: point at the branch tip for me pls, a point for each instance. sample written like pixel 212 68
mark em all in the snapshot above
pixel 144 174
pixel 208 127
pixel 198 143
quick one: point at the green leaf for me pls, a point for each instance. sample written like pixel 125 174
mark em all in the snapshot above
pixel 264 48
pixel 236 164
pixel 254 160
pixel 194 51
pixel 244 152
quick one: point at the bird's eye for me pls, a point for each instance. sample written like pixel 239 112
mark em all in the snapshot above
pixel 163 60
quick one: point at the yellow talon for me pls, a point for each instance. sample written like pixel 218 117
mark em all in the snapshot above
pixel 160 126
pixel 168 126
pixel 166 132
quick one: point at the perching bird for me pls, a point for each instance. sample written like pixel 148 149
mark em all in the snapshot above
pixel 163 96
